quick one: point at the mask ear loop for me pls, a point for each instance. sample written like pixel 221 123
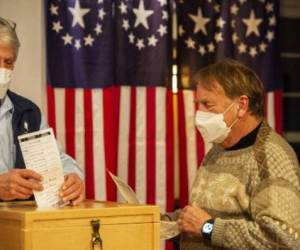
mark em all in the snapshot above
pixel 236 120
pixel 232 124
pixel 229 107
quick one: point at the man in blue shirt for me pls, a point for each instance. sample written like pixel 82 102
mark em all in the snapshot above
pixel 19 115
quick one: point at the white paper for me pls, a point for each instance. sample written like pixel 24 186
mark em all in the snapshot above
pixel 126 191
pixel 40 153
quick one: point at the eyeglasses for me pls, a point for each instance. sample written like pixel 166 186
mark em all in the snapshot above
pixel 8 23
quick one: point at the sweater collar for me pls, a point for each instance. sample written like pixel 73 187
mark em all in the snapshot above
pixel 246 141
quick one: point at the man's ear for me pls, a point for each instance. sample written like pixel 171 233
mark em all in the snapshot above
pixel 243 108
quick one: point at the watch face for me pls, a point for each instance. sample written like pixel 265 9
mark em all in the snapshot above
pixel 207 228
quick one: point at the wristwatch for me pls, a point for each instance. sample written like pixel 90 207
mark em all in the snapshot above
pixel 207 229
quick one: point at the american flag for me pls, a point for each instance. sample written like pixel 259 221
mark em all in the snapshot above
pixel 209 30
pixel 108 68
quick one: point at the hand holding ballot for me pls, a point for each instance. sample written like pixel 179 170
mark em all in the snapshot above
pixel 19 184
pixel 41 156
pixel 72 189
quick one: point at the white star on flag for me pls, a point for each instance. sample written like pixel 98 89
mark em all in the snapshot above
pixel 162 2
pixel 53 9
pixel 140 44
pixel 152 41
pixel 201 50
pixel 78 14
pixel 211 47
pixel 101 14
pixel 77 44
pixel 270 35
pixel 270 7
pixel 252 24
pixel 181 30
pixel 57 26
pixel 98 29
pixel 67 39
pixel 217 8
pixel 165 15
pixel 200 21
pixel 220 22
pixel 88 40
pixel 263 47
pixel 234 9
pixel 218 37
pixel 123 8
pixel 272 21
pixel 190 43
pixel 162 30
pixel 233 23
pixel 131 38
pixel 242 48
pixel 253 52
pixel 235 38
pixel 142 15
pixel 125 24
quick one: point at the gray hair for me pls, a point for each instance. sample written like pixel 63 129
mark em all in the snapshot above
pixel 8 34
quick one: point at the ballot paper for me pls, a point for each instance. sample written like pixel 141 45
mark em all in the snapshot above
pixel 126 191
pixel 168 229
pixel 40 153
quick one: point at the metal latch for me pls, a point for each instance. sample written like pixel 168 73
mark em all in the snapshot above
pixel 96 241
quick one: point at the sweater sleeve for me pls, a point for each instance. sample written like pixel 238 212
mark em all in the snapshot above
pixel 274 211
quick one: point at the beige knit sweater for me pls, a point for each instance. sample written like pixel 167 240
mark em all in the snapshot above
pixel 253 194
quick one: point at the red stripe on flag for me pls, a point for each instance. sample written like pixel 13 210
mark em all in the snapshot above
pixel 132 139
pixel 151 144
pixel 278 111
pixel 169 152
pixel 51 108
pixel 88 144
pixel 111 110
pixel 183 171
pixel 70 121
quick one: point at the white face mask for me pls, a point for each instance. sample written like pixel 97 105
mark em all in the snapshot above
pixel 212 126
pixel 5 79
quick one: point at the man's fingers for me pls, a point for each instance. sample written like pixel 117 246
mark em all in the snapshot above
pixel 70 179
pixel 71 189
pixel 30 184
pixel 17 192
pixel 73 196
pixel 30 174
pixel 78 200
pixel 16 195
pixel 23 191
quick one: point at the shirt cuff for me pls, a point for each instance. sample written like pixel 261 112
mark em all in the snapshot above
pixel 217 238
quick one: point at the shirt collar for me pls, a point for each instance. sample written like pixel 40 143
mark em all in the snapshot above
pixel 6 106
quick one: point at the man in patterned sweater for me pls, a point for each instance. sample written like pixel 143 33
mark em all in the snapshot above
pixel 246 194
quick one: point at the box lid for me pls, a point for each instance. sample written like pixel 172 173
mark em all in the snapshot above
pixel 28 211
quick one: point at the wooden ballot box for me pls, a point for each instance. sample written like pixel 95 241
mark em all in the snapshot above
pixel 92 225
